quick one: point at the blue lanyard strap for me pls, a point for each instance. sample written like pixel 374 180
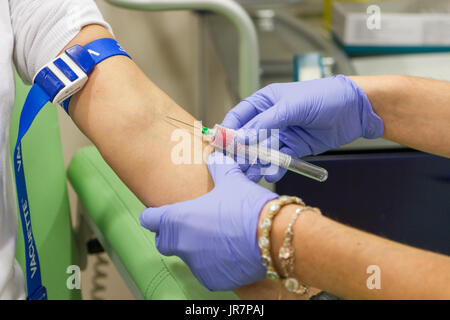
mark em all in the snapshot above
pixel 47 84
pixel 36 99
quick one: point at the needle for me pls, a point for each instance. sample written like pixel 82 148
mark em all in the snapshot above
pixel 188 124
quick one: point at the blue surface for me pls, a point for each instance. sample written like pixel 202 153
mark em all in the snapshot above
pixel 82 58
pixel 48 82
pixel 65 69
pixel 35 101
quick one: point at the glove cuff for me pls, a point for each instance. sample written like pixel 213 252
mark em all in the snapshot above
pixel 371 124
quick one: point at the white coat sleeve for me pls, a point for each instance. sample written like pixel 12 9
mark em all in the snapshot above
pixel 42 28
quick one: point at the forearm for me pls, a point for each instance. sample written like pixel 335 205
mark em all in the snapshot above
pixel 335 258
pixel 415 111
pixel 121 111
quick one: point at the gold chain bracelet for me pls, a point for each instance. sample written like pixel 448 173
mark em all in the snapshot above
pixel 286 255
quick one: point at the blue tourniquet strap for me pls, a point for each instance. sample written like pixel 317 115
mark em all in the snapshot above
pixel 102 49
pixel 36 99
pixel 44 90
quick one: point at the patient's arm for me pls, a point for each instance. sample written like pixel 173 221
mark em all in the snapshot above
pixel 121 110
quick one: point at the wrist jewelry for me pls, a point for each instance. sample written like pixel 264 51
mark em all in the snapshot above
pixel 287 256
pixel 266 227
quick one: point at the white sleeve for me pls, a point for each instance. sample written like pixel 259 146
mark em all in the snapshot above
pixel 42 28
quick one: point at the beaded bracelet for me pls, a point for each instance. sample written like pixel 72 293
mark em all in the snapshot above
pixel 287 251
pixel 266 227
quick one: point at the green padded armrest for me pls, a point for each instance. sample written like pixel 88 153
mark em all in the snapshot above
pixel 115 210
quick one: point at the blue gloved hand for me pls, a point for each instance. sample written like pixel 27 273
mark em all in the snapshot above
pixel 215 234
pixel 313 117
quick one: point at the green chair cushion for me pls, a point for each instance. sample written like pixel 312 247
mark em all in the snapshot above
pixel 115 211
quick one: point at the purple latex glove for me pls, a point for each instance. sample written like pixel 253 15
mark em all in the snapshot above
pixel 215 234
pixel 313 117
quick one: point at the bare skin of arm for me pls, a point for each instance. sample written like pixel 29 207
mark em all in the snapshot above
pixel 415 111
pixel 122 112
pixel 335 257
